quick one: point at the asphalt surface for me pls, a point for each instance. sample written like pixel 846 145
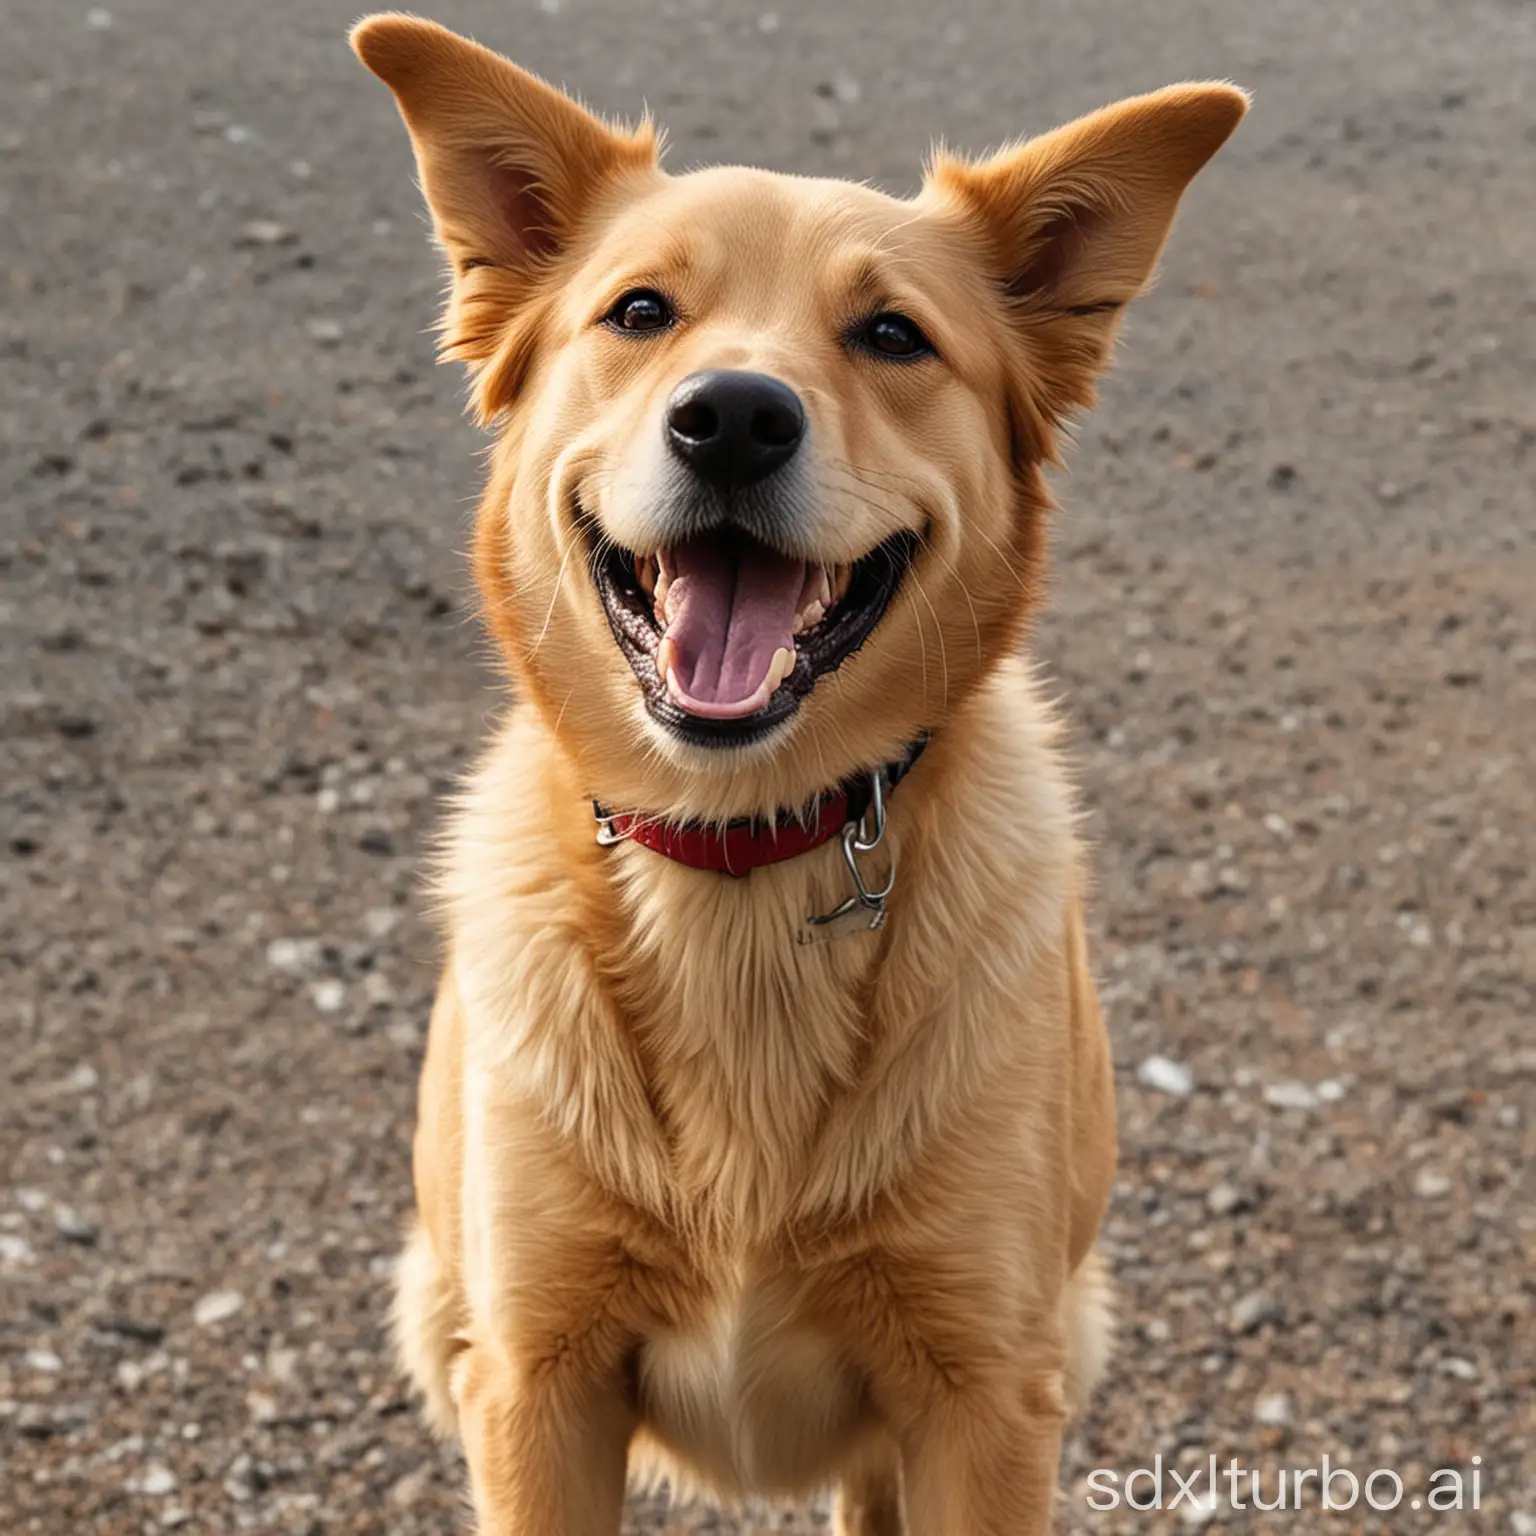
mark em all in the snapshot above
pixel 1291 619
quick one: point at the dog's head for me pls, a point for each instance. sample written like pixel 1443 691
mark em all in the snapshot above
pixel 767 499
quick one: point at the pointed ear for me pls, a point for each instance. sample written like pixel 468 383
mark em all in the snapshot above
pixel 509 165
pixel 1073 221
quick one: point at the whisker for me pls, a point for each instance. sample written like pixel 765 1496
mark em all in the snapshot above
pixel 1007 564
pixel 554 596
pixel 922 643
pixel 842 467
pixel 965 592
pixel 939 631
pixel 864 471
pixel 561 716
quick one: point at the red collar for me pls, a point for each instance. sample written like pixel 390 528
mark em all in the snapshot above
pixel 739 847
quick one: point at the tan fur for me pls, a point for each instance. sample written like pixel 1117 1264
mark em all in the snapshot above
pixel 692 1196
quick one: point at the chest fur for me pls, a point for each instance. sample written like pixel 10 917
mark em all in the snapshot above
pixel 748 1394
pixel 711 1069
pixel 749 1036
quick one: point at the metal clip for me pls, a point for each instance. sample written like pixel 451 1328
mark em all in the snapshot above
pixel 861 836
pixel 606 836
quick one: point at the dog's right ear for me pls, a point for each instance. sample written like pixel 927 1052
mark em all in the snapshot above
pixel 509 165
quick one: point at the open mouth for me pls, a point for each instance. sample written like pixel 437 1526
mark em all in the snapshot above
pixel 727 635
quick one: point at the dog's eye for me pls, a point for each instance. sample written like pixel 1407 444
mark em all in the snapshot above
pixel 641 309
pixel 893 335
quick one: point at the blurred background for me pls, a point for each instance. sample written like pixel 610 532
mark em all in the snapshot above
pixel 1292 620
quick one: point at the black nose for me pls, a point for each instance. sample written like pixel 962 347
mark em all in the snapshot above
pixel 732 427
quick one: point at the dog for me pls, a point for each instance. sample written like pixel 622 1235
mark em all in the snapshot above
pixel 767 1116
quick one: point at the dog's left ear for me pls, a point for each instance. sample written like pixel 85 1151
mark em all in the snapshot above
pixel 1072 222
pixel 511 168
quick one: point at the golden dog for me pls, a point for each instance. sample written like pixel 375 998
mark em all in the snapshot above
pixel 767 1119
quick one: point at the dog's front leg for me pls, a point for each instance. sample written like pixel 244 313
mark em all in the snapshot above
pixel 547 1444
pixel 974 1403
pixel 973 1468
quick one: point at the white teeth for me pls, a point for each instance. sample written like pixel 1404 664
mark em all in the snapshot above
pixel 664 657
pixel 783 664
pixel 663 586
pixel 815 599
pixel 840 579
pixel 808 617
pixel 645 573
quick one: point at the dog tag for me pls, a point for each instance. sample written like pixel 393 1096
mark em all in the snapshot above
pixel 857 918
pixel 864 911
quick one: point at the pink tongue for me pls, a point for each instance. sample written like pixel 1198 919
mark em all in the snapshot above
pixel 731 605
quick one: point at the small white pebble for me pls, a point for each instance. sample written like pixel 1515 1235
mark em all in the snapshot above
pixel 1223 1198
pixel 264 232
pixel 1201 1511
pixel 329 995
pixel 1273 1409
pixel 217 1307
pixel 848 91
pixel 44 1360
pixel 768 23
pixel 1166 1076
pixel 379 922
pixel 1431 1184
pixel 1252 1311
pixel 157 1482
pixel 283 1365
pixel 325 331
pixel 293 957
pixel 74 1227
pixel 1290 1095
pixel 378 989
pixel 98 18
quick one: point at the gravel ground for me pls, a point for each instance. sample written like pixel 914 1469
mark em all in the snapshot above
pixel 1292 620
